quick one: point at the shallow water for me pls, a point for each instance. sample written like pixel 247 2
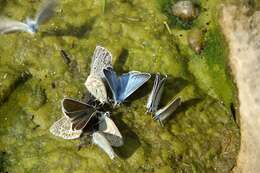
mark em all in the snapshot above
pixel 202 135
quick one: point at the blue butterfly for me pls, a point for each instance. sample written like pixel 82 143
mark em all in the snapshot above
pixel 123 86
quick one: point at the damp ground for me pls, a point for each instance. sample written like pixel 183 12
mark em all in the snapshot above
pixel 201 136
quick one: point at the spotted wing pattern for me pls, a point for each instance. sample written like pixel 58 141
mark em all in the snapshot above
pixel 63 128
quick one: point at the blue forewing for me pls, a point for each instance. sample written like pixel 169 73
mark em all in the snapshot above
pixel 162 114
pixel 124 85
pixel 155 96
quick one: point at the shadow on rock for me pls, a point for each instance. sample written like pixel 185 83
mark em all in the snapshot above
pixel 120 61
pixel 71 30
pixel 187 104
pixel 183 107
pixel 172 87
pixel 131 140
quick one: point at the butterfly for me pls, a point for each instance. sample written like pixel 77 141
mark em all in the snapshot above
pixel 110 130
pixel 63 128
pixel 107 135
pixel 123 86
pixel 155 96
pixel 78 112
pixel 76 117
pixel 101 59
pixel 31 25
pixel 162 114
pixel 100 140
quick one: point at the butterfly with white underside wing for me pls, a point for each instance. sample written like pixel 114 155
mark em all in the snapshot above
pixel 76 117
pixel 107 135
pixel 31 25
pixel 154 99
pixel 124 85
pixel 155 96
pixel 101 59
pixel 164 113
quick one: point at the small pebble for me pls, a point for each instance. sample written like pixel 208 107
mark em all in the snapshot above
pixel 185 10
pixel 195 40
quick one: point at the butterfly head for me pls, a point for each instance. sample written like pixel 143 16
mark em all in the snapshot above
pixel 116 104
pixel 103 115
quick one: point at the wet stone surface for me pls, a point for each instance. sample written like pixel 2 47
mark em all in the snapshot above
pixel 201 136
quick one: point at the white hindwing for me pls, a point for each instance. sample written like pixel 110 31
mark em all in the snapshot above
pixel 96 87
pixel 63 128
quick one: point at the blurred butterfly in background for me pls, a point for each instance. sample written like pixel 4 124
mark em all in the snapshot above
pixel 123 86
pixel 30 25
pixel 107 135
pixel 101 59
pixel 155 96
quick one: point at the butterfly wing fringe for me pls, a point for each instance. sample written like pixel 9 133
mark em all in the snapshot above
pixel 63 128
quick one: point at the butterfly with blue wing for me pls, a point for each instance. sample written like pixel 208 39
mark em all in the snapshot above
pixel 124 85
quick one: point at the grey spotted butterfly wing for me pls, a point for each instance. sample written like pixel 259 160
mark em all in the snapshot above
pixel 78 112
pixel 100 140
pixel 63 128
pixel 162 114
pixel 155 96
pixel 111 132
pixel 101 59
pixel 123 86
pixel 95 85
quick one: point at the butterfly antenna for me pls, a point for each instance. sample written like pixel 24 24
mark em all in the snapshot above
pixel 155 117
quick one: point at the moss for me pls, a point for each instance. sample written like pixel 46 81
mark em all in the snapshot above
pixel 11 77
pixel 200 137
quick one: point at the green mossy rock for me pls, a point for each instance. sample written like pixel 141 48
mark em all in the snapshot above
pixel 201 136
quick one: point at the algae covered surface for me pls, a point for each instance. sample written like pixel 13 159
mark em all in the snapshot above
pixel 201 136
